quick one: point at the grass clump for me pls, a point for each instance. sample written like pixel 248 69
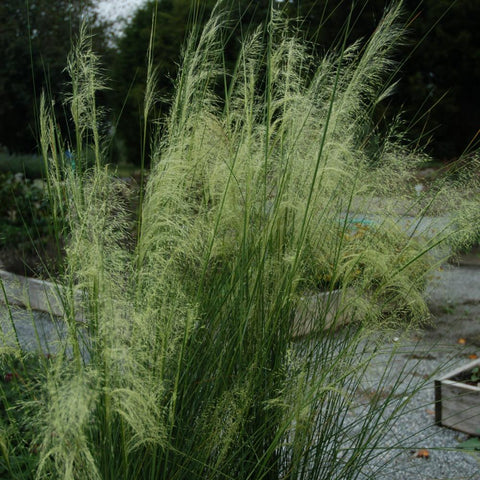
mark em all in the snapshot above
pixel 184 365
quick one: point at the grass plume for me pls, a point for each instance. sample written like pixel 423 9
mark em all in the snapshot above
pixel 184 364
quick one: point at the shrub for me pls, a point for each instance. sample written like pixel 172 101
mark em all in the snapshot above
pixel 26 232
pixel 23 206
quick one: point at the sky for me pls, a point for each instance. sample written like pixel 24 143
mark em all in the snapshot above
pixel 117 9
pixel 122 9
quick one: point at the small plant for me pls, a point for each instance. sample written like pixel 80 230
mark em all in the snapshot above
pixel 470 376
pixel 475 375
pixel 23 210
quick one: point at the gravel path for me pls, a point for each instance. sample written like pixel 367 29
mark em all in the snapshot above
pixel 416 362
pixel 418 359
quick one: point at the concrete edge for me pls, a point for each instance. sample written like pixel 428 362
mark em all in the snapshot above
pixel 31 293
pixel 332 305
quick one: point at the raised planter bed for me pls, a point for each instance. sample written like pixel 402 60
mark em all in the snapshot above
pixel 329 306
pixel 457 400
pixel 35 294
pixel 30 292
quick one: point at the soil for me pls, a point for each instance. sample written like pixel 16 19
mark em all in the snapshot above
pixel 469 259
pixel 25 260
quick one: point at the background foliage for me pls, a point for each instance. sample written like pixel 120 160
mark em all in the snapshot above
pixel 437 87
pixel 35 38
pixel 437 79
pixel 25 223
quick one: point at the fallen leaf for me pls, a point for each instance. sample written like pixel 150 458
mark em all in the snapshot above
pixel 461 341
pixel 430 412
pixel 473 356
pixel 422 453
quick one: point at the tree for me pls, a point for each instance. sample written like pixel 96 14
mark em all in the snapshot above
pixel 130 66
pixel 445 71
pixel 441 70
pixel 35 38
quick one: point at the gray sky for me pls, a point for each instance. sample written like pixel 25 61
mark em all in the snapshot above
pixel 117 9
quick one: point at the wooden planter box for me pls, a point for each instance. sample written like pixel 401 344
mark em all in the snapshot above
pixel 457 404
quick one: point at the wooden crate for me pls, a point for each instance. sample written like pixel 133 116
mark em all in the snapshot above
pixel 457 404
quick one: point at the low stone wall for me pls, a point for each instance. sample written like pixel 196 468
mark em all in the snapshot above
pixel 330 307
pixel 31 293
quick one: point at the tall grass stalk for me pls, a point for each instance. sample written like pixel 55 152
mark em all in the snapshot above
pixel 185 364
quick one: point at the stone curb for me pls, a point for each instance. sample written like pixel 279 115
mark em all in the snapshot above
pixel 31 293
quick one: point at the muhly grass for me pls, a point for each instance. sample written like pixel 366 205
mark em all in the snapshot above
pixel 254 202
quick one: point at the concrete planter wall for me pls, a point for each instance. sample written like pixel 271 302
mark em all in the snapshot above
pixel 33 293
pixel 45 296
pixel 329 307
